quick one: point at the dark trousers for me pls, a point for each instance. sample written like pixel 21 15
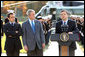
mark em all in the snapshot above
pixel 35 52
pixel 47 37
pixel 82 41
pixel 71 52
pixel 12 52
pixel 1 50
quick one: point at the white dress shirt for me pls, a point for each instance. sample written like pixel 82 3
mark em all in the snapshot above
pixel 65 21
pixel 11 23
pixel 31 22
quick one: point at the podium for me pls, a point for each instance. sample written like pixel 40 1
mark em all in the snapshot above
pixel 64 41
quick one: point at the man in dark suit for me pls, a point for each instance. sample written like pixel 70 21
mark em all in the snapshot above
pixel 82 31
pixel 1 31
pixel 71 29
pixel 12 31
pixel 33 36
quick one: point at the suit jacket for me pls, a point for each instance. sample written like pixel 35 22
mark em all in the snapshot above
pixel 72 28
pixel 14 41
pixel 30 38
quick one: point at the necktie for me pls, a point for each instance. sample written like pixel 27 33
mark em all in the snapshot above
pixel 33 27
pixel 12 24
pixel 64 23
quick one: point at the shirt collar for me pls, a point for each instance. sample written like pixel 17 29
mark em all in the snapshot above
pixel 11 22
pixel 65 21
pixel 31 21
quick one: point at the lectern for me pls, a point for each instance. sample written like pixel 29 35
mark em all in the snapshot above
pixel 64 41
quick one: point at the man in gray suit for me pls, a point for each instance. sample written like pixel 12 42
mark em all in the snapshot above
pixel 33 36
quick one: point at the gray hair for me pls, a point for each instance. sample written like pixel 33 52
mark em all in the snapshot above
pixel 29 11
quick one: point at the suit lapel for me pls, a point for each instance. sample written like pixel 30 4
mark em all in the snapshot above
pixel 68 22
pixel 69 25
pixel 9 25
pixel 36 27
pixel 61 23
pixel 28 25
pixel 15 26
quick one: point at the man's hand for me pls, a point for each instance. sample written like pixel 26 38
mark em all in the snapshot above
pixel 70 32
pixel 10 36
pixel 26 48
pixel 1 37
pixel 43 45
pixel 16 31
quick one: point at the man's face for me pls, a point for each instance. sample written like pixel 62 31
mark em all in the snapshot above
pixel 82 20
pixel 63 15
pixel 40 20
pixel 12 18
pixel 32 15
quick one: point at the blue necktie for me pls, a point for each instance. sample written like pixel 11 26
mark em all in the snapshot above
pixel 64 23
pixel 33 27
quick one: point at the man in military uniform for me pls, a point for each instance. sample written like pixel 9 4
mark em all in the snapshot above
pixel 12 31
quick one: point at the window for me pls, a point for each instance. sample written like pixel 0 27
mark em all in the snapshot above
pixel 72 3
